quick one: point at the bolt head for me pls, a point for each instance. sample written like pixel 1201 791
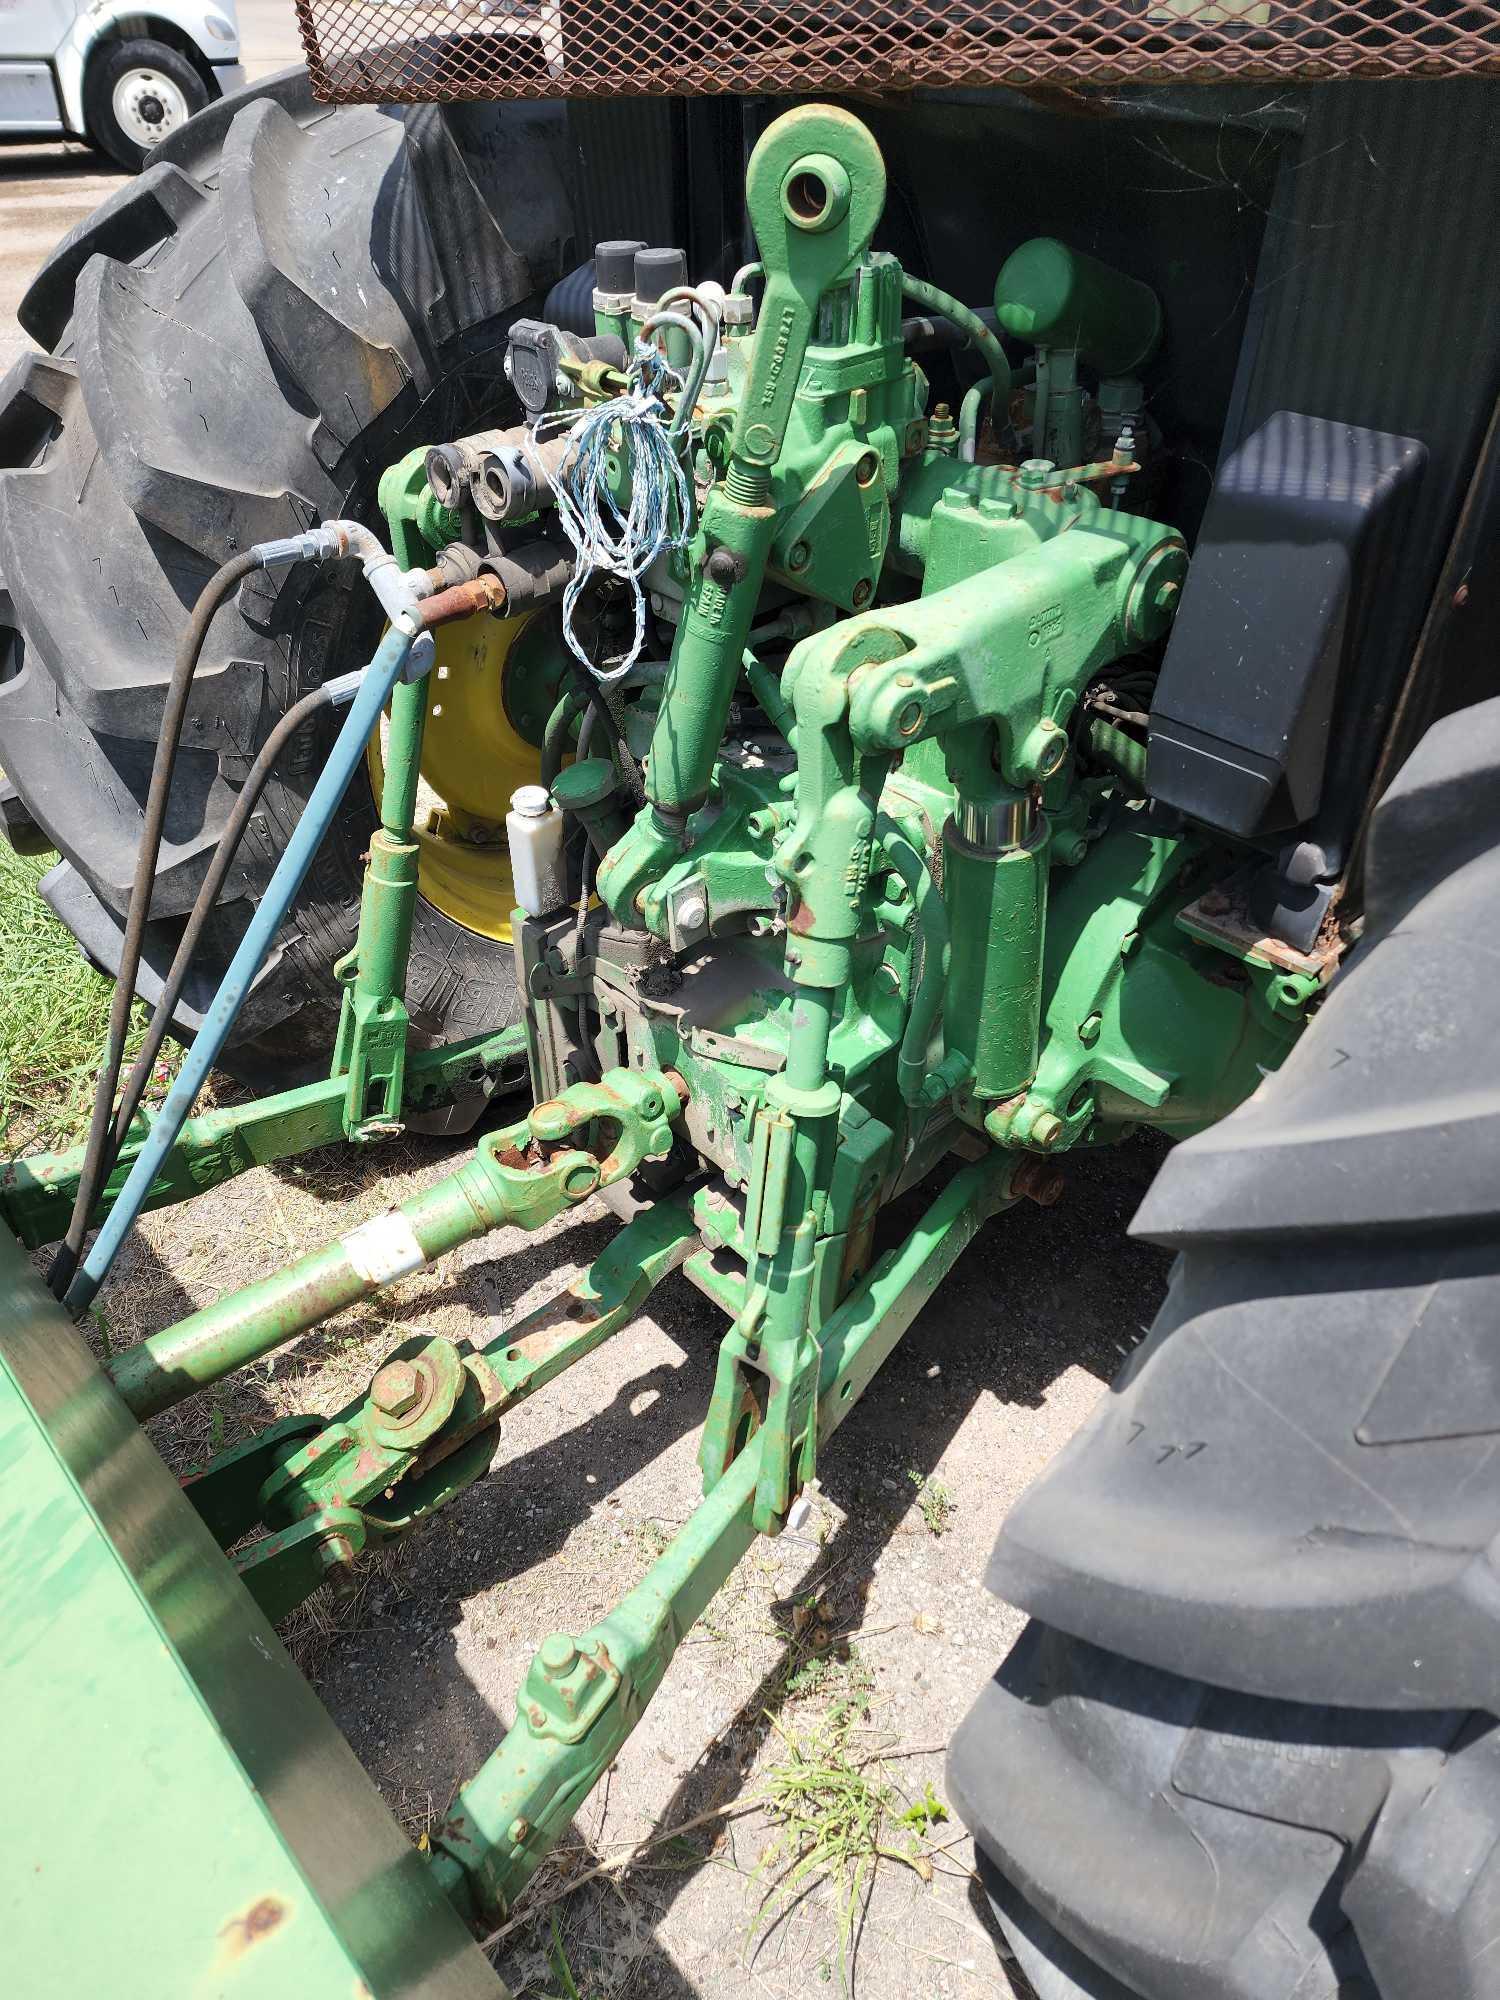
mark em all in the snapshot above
pixel 397 1389
pixel 557 1654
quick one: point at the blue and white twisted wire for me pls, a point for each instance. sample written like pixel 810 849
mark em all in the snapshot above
pixel 658 517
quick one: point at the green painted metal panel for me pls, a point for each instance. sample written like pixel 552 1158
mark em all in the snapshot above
pixel 181 1816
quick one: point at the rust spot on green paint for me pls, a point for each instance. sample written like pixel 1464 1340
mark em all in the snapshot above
pixel 263 1916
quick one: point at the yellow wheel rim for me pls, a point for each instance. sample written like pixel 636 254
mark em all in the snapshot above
pixel 472 761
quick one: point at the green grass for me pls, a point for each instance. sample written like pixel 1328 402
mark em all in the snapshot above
pixel 837 1816
pixel 562 1972
pixel 54 1011
pixel 935 1503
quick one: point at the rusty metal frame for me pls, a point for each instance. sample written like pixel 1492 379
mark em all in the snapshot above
pixel 389 51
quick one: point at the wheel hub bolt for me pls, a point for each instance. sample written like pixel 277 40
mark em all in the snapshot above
pixel 397 1389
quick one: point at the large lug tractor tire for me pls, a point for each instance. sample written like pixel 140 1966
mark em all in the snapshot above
pixel 1247 1745
pixel 284 303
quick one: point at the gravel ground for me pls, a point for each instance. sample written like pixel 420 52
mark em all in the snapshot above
pixel 869 1630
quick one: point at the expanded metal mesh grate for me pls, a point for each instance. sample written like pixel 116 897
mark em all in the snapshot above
pixel 360 51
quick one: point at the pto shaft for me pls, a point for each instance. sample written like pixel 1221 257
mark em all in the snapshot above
pixel 499 1185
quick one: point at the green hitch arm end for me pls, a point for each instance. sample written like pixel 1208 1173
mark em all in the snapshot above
pixel 814 190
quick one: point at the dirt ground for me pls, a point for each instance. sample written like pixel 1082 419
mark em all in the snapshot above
pixel 869 1630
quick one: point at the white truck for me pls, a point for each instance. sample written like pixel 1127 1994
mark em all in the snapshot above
pixel 118 75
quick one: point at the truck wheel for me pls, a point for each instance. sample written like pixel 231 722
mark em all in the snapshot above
pixel 1247 1745
pixel 135 94
pixel 285 302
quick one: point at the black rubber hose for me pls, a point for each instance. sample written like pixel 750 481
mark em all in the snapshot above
pixel 591 697
pixel 940 336
pixel 213 883
pixel 589 691
pixel 224 581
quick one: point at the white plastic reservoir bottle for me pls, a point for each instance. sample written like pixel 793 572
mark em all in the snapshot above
pixel 534 828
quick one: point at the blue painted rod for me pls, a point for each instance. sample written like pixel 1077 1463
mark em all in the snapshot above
pixel 349 746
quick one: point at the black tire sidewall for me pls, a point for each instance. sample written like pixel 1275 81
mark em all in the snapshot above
pixel 108 65
pixel 308 624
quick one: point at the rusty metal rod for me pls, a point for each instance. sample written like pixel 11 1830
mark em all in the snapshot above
pixel 461 600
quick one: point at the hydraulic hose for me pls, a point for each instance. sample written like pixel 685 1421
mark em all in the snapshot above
pixel 591 696
pixel 683 416
pixel 379 679
pixel 930 978
pixel 555 736
pixel 396 591
pixel 765 685
pixel 213 882
pixel 938 301
pixel 929 333
pixel 220 586
pixel 969 413
pixel 585 894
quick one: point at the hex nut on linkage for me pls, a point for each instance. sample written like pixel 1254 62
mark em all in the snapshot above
pixel 396 1389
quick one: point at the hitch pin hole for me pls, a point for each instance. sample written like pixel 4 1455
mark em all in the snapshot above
pixel 815 193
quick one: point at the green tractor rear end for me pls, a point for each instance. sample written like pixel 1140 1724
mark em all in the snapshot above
pixel 907 686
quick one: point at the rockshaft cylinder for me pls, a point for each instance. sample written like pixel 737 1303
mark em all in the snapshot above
pixel 995 884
